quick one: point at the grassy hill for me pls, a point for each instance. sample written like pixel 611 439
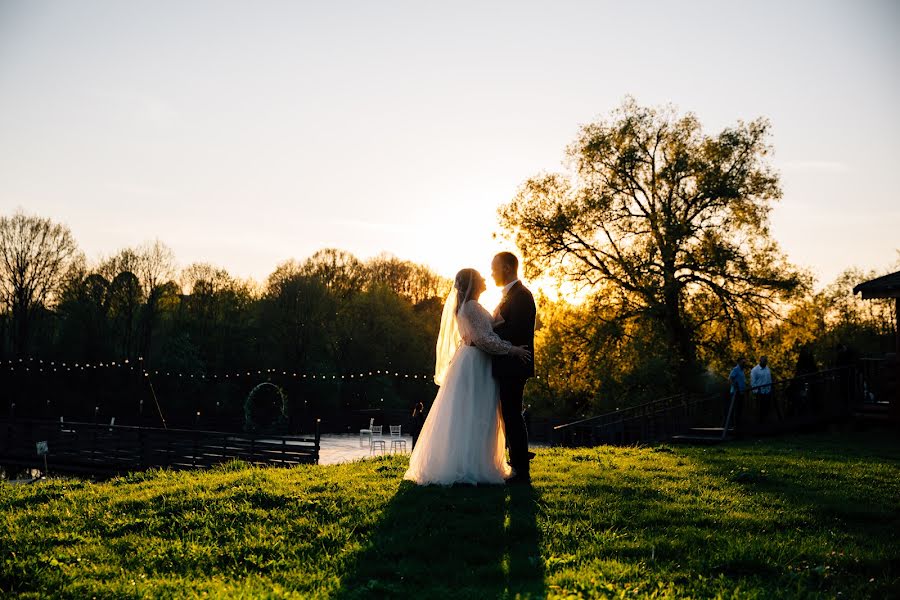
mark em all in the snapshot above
pixel 801 517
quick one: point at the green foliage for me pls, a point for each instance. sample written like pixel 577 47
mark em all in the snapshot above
pixel 662 222
pixel 804 517
pixel 328 314
pixel 820 323
pixel 664 229
pixel 589 361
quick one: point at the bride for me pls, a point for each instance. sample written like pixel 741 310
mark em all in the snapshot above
pixel 463 440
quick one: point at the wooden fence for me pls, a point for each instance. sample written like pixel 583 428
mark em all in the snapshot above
pixel 104 450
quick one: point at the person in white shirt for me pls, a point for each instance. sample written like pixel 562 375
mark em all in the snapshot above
pixel 761 387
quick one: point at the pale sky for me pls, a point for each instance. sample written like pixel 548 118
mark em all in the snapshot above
pixel 247 133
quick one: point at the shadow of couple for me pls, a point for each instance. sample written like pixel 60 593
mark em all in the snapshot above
pixel 460 542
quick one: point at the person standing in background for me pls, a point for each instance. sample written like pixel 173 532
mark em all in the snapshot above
pixel 761 387
pixel 738 387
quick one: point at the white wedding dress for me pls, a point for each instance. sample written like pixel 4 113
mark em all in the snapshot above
pixel 463 440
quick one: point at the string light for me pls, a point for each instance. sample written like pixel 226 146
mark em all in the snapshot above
pixel 39 366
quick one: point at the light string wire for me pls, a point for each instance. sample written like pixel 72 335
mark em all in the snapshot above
pixel 33 365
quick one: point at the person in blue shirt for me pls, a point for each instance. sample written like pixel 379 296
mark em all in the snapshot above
pixel 738 387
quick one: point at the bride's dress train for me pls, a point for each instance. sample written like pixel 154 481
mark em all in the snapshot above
pixel 463 440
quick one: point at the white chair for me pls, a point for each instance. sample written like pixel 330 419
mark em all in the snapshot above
pixel 376 441
pixel 397 441
pixel 367 432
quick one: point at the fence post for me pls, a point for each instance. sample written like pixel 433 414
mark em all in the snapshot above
pixel 645 426
pixel 95 447
pixel 318 439
pixel 142 458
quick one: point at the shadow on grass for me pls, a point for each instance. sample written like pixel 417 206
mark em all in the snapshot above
pixel 460 542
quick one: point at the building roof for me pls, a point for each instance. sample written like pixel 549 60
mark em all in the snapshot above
pixel 887 286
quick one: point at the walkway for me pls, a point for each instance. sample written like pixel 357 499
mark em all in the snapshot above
pixel 345 447
pixel 339 448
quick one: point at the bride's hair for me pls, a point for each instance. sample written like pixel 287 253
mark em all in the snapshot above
pixel 464 284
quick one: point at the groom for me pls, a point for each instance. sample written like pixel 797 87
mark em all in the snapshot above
pixel 514 322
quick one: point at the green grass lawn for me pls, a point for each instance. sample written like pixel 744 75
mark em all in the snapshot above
pixel 806 516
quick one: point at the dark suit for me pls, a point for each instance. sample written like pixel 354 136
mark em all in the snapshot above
pixel 518 312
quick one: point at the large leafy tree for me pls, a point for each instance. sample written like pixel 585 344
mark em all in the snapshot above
pixel 661 221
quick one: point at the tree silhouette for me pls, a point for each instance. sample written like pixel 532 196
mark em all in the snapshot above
pixel 35 255
pixel 661 221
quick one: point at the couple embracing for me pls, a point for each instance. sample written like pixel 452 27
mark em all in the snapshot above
pixel 483 362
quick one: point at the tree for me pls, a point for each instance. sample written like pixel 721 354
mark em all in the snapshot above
pixel 298 314
pixel 144 273
pixel 847 311
pixel 125 297
pixel 339 271
pixel 155 269
pixel 204 279
pixel 35 255
pixel 216 311
pixel 416 283
pixel 661 221
pixel 83 309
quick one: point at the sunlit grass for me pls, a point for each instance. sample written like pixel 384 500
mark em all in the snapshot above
pixel 803 517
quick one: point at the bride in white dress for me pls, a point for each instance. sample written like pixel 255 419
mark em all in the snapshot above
pixel 462 440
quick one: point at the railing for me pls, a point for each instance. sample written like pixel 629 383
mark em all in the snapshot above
pixel 541 430
pixel 871 380
pixel 626 413
pixel 650 421
pixel 795 403
pixel 104 450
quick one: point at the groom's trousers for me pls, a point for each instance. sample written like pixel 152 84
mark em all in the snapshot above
pixel 511 390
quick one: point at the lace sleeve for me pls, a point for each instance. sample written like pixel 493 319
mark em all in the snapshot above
pixel 481 332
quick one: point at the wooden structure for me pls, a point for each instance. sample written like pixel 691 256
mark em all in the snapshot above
pixel 100 450
pixel 887 286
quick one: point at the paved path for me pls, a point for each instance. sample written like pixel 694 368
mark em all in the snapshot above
pixel 338 448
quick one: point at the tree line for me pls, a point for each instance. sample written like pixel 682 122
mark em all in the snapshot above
pixel 662 227
pixel 328 314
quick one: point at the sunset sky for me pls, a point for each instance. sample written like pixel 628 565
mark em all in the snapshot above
pixel 247 133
